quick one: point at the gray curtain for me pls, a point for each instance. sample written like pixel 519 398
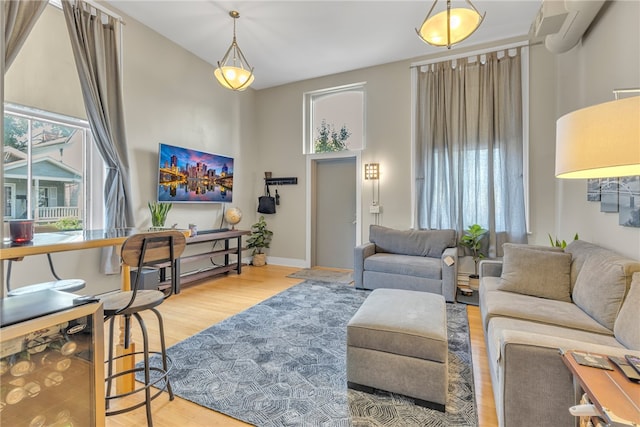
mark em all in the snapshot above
pixel 19 19
pixel 95 48
pixel 469 147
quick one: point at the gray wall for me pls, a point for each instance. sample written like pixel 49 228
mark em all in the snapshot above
pixel 607 59
pixel 170 96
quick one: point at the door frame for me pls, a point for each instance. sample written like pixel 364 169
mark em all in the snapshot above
pixel 312 164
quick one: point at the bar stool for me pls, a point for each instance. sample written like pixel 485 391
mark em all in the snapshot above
pixel 157 249
pixel 66 285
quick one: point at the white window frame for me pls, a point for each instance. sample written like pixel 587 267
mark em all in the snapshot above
pixel 93 173
pixel 308 112
pixel 12 191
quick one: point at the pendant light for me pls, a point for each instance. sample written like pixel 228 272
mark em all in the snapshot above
pixel 234 72
pixel 450 26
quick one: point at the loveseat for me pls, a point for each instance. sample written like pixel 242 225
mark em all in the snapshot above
pixel 539 300
pixel 417 260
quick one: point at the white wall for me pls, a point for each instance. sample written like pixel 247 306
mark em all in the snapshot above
pixel 608 58
pixel 169 96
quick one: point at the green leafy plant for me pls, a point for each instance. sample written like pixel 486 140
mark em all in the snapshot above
pixel 68 223
pixel 472 239
pixel 159 213
pixel 560 244
pixel 260 236
pixel 329 139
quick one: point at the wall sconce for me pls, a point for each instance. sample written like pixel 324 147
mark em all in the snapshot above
pixel 372 171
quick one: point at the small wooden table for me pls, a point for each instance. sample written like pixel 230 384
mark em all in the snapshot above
pixel 616 398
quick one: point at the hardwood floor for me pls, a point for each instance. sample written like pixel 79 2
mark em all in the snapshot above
pixel 199 306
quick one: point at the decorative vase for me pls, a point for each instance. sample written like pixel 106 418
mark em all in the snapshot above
pixel 474 281
pixel 259 259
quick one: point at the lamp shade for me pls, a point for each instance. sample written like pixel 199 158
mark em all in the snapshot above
pixel 600 141
pixel 234 78
pixel 463 23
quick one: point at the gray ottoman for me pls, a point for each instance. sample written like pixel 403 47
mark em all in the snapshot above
pixel 397 342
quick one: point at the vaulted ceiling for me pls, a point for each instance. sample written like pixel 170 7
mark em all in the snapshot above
pixel 287 41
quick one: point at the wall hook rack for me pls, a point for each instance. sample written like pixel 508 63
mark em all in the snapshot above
pixel 281 181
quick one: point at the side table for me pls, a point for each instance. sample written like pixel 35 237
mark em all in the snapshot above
pixel 615 397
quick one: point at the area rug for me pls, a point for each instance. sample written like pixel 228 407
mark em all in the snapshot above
pixel 282 363
pixel 318 275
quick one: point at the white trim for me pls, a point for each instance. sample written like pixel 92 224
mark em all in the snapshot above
pixel 524 63
pixel 58 4
pixel 412 155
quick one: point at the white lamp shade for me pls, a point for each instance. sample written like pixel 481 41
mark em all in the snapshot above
pixel 600 141
pixel 235 78
pixel 463 22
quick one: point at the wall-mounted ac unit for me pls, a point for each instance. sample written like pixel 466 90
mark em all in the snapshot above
pixel 563 22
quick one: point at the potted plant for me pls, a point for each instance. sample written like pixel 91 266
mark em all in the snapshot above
pixel 472 240
pixel 260 239
pixel 159 213
pixel 560 244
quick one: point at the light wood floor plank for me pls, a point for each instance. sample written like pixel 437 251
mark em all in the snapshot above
pixel 201 305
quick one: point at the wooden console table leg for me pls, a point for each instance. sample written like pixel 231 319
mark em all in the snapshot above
pixel 239 255
pixel 125 383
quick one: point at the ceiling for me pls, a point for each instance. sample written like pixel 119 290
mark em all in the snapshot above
pixel 288 41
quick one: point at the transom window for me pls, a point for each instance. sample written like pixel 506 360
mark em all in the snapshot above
pixel 334 119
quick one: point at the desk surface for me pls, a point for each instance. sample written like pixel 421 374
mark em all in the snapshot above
pixel 614 395
pixel 61 241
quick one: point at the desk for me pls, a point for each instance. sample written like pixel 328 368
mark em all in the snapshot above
pixel 616 398
pixel 62 241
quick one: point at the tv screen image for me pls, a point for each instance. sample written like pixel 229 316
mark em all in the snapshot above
pixel 187 175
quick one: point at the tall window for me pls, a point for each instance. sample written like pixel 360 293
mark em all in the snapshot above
pixel 46 157
pixel 469 146
pixel 334 119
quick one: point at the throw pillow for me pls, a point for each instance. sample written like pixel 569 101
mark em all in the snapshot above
pixel 600 288
pixel 536 272
pixel 429 243
pixel 627 326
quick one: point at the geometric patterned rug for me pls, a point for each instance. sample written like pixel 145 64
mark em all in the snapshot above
pixel 282 363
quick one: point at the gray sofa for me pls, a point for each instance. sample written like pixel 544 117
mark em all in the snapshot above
pixel 416 260
pixel 538 300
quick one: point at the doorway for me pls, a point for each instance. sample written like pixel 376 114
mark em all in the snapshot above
pixel 334 212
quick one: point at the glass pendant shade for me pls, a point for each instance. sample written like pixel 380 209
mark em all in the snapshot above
pixel 234 72
pixel 450 26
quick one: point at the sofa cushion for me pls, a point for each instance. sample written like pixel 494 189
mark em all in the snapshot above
pixel 419 266
pixel 429 243
pixel 537 272
pixel 627 326
pixel 600 288
pixel 495 303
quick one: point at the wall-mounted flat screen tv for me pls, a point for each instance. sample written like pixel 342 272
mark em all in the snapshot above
pixel 190 176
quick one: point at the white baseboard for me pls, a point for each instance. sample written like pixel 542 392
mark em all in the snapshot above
pixel 285 262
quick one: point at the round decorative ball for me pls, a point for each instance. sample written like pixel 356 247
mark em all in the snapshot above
pixel 233 216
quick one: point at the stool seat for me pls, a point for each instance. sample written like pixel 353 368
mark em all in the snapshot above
pixel 145 299
pixel 65 285
pixel 397 342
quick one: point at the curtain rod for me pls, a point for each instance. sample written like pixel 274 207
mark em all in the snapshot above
pixel 58 4
pixel 472 53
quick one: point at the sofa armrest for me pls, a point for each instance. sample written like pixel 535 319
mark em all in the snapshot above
pixel 449 273
pixel 490 267
pixel 360 253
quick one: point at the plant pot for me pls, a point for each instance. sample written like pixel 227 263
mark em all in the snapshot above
pixel 259 259
pixel 474 281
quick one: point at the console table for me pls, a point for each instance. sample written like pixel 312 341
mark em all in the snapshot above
pixel 616 398
pixel 209 237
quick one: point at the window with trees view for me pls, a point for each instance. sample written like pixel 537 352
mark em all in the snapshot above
pixel 45 159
